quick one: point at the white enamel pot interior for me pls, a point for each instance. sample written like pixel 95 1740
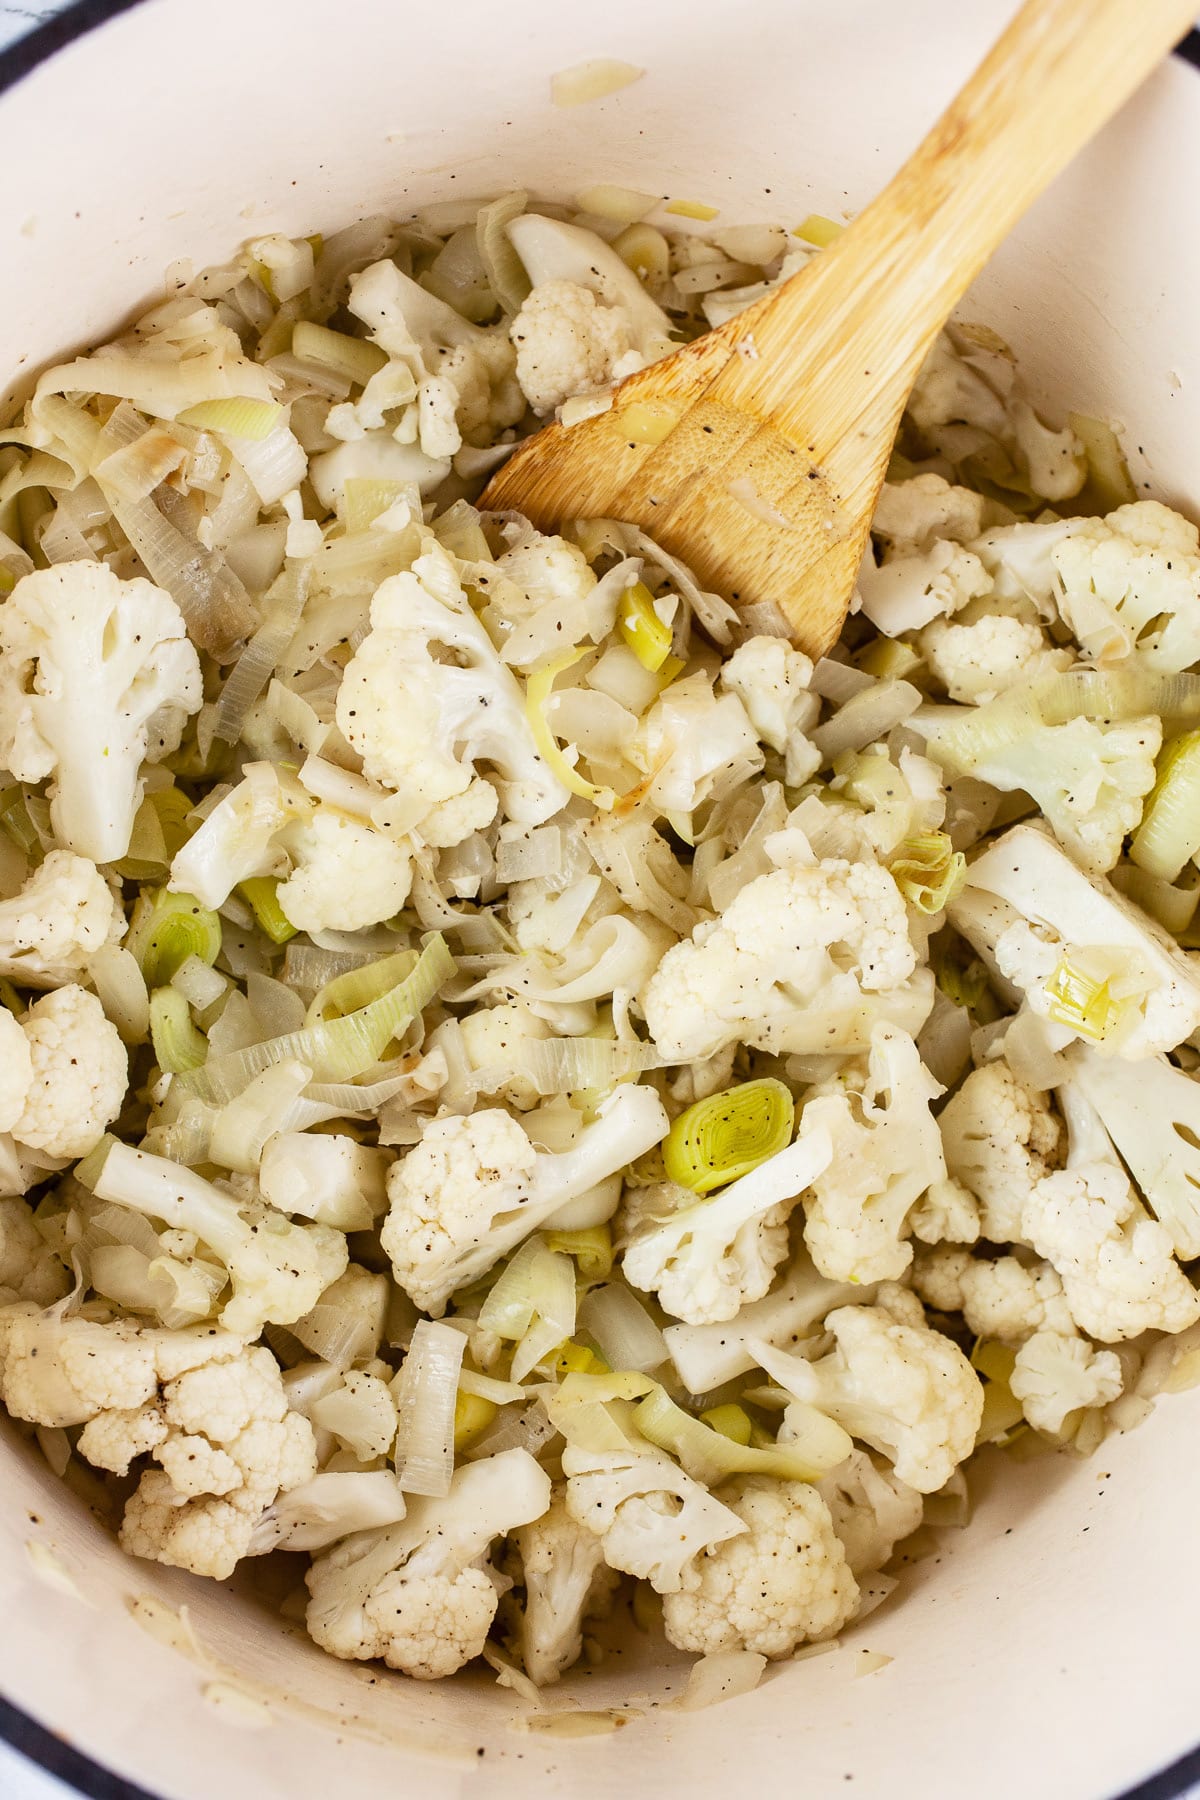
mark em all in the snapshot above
pixel 1050 1652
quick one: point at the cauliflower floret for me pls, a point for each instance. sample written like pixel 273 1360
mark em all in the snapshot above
pixel 886 1152
pixel 975 661
pixel 474 1187
pixel 277 1268
pixel 566 1581
pixel 707 1260
pixel 346 876
pixel 567 343
pixel 802 960
pixel 87 662
pixel 1056 1374
pixel 420 1594
pixel 241 839
pixel 651 1518
pixel 64 913
pixel 784 1582
pixel 1004 1300
pixel 556 252
pixel 894 1383
pixel 115 1439
pixel 326 1176
pixel 946 1214
pixel 29 1269
pixel 691 743
pixel 909 591
pixel 494 1038
pixel 59 1370
pixel 1118 1272
pixel 16 1070
pixel 1027 908
pixel 1000 1137
pixel 80 1072
pixel 1130 584
pixel 772 682
pixel 871 1508
pixel 910 514
pixel 421 724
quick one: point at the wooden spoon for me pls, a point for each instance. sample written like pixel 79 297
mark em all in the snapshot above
pixel 756 453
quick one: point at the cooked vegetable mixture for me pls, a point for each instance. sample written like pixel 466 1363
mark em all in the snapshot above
pixel 515 1084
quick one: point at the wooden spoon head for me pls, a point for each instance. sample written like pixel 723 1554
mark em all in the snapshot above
pixel 769 504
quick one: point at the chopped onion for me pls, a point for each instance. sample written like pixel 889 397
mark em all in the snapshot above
pixel 866 717
pixel 275 465
pixel 837 681
pixel 505 270
pixel 121 989
pixel 626 1334
pixel 592 80
pixel 253 669
pixel 624 206
pixel 425 1392
pixel 241 1129
pixel 214 604
pixel 723 1675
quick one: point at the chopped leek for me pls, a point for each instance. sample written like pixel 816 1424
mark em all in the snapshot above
pixel 574 1357
pixel 472 1416
pixel 166 929
pixel 260 894
pixel 692 209
pixel 723 1137
pixel 731 1421
pixel 818 230
pixel 710 1457
pixel 352 357
pixel 238 418
pixel 358 987
pixel 1088 992
pixel 592 1250
pixel 929 871
pixel 1002 1411
pixel 888 660
pixel 426 1394
pixel 538 691
pixel 1169 834
pixel 640 626
pixel 178 1046
pixel 16 823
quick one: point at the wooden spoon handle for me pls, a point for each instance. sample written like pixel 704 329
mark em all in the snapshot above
pixel 1059 72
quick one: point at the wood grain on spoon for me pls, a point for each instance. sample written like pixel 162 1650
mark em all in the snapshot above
pixel 757 452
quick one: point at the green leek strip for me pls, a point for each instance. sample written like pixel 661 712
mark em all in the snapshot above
pixel 1169 834
pixel 365 498
pixel 239 417
pixel 1084 1000
pixel 710 1457
pixel 642 629
pixel 337 1051
pixel 16 823
pixel 168 928
pixel 178 1046
pixel 818 230
pixel 356 988
pixel 592 1250
pixel 261 895
pixel 173 808
pixel 888 660
pixel 147 858
pixel 731 1421
pixel 728 1134
pixel 538 690
pixel 929 871
pixel 352 357
pixel 573 1357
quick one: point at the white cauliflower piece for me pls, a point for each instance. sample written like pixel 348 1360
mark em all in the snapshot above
pixel 345 875
pixel 976 660
pixel 326 1176
pixel 63 914
pixel 29 1269
pixel 871 1508
pixel 1027 905
pixel 333 1505
pixel 999 1137
pixel 420 1594
pixel 909 515
pixel 16 1070
pixel 474 1187
pixel 651 1518
pixel 802 960
pixel 421 724
pixel 494 1038
pixel 893 1383
pixel 277 1269
pixel 1118 1271
pixel 782 1583
pixel 89 665
pixel 945 1214
pixel 62 1370
pixel 707 1260
pixel 566 1581
pixel 1056 1374
pixel 556 252
pixel 886 1151
pixel 692 741
pixel 772 682
pixel 907 592
pixel 80 1070
pixel 241 839
pixel 568 343
pixel 1129 584
pixel 1003 1300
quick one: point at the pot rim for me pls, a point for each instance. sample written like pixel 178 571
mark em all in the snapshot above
pixel 18 1729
